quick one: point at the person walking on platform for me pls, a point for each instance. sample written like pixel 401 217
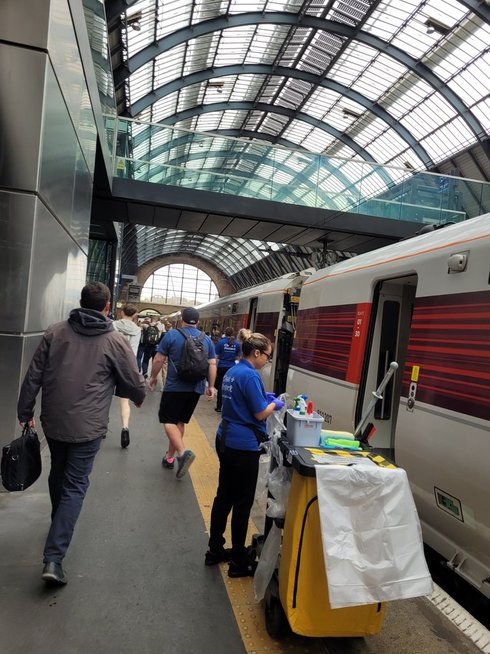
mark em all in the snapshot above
pixel 242 336
pixel 151 338
pixel 179 397
pixel 78 365
pixel 128 327
pixel 246 406
pixel 227 352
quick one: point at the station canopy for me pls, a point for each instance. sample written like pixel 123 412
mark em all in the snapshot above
pixel 401 83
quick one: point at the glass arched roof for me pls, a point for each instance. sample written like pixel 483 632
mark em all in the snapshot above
pixel 402 83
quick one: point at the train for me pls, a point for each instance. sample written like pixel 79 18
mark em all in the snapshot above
pixel 423 302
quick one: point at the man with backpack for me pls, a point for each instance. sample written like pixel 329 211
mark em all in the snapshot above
pixel 191 361
pixel 151 338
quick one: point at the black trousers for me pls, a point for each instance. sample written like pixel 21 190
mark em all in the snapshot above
pixel 220 373
pixel 149 353
pixel 238 474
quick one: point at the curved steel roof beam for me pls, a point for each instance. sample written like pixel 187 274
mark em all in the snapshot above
pixel 283 71
pixel 284 18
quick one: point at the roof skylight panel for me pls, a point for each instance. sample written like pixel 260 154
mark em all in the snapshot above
pixel 169 66
pixel 482 112
pixel 449 139
pixel 428 116
pixel 165 107
pixel 414 40
pixel 318 140
pixel 411 91
pixel 320 102
pixel 386 146
pixel 205 9
pixel 380 76
pixel 352 62
pixel 140 82
pixel 297 131
pixel 404 158
pixel 472 83
pixel 202 50
pixel 331 183
pixel 173 15
pixel 366 133
pixel 354 170
pixel 266 44
pixel 208 122
pixel 386 19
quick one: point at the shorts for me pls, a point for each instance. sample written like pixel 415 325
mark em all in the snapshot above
pixel 177 406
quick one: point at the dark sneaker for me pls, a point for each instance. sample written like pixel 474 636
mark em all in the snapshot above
pixel 124 438
pixel 246 569
pixel 218 410
pixel 168 463
pixel 212 558
pixel 53 574
pixel 184 462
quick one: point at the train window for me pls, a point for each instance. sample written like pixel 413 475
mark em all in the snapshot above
pixel 387 353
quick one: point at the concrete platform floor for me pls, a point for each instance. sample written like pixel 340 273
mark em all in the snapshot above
pixel 137 583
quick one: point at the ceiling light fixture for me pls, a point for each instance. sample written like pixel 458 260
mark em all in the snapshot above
pixel 350 113
pixel 435 25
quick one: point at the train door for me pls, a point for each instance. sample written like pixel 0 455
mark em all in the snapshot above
pixel 285 336
pixel 389 333
pixel 252 314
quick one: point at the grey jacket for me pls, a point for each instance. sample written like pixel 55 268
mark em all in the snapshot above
pixel 131 331
pixel 79 364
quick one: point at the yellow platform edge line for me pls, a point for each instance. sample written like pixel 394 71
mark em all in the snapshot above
pixel 248 612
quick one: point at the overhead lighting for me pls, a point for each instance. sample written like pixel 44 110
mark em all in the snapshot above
pixel 133 21
pixel 217 85
pixel 408 165
pixel 350 113
pixel 435 25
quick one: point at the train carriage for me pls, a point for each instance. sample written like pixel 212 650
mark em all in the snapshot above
pixel 270 309
pixel 425 303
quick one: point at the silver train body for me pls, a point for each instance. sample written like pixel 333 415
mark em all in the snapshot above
pixel 425 303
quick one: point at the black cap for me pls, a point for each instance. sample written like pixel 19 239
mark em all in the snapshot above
pixel 190 316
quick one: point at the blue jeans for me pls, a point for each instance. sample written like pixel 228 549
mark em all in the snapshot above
pixel 71 465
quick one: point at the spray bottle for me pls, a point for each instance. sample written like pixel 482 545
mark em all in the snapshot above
pixel 302 406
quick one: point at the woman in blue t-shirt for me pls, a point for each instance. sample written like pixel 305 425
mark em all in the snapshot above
pixel 246 406
pixel 227 352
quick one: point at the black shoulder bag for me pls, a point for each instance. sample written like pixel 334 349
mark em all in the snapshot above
pixel 21 461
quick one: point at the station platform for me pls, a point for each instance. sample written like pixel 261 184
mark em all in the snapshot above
pixel 137 580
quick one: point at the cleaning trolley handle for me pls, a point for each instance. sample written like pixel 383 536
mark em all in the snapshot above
pixel 377 395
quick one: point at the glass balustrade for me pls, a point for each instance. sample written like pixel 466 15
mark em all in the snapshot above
pixel 209 162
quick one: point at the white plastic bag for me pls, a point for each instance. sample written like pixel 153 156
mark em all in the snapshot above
pixel 372 541
pixel 278 484
pixel 267 562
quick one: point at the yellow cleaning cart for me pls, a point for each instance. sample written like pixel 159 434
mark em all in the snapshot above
pixel 298 592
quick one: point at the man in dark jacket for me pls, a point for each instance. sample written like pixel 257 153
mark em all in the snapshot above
pixel 78 364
